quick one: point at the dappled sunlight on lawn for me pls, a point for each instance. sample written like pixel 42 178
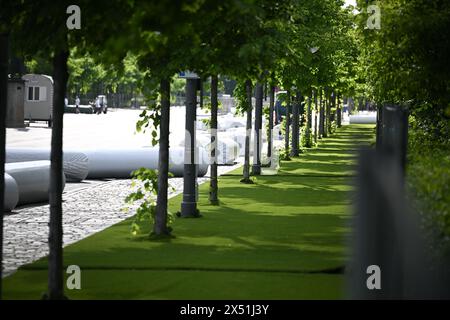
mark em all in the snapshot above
pixel 292 223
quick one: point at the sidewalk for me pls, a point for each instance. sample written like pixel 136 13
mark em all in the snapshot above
pixel 282 238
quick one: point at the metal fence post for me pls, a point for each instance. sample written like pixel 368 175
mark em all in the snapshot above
pixel 387 235
pixel 394 132
pixel 379 135
pixel 375 240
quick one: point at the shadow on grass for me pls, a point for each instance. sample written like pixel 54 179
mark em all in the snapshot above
pixel 273 244
pixel 312 166
pixel 300 230
pixel 281 225
pixel 293 194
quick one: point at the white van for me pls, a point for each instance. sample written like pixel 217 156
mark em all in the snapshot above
pixel 38 103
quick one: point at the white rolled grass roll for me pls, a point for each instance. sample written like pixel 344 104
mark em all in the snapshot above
pixel 120 163
pixel 11 193
pixel 201 125
pixel 227 149
pixel 238 136
pixel 276 132
pixel 33 180
pixel 363 119
pixel 229 121
pixel 75 164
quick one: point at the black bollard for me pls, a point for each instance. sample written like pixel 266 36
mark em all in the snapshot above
pixel 189 203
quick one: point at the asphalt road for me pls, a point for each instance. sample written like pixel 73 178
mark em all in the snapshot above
pixel 86 131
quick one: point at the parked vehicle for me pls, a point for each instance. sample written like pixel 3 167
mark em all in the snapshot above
pixel 38 104
pixel 82 109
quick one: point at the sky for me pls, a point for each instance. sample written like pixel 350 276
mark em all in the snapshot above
pixel 350 2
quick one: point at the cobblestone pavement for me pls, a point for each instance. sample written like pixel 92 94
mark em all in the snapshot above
pixel 86 211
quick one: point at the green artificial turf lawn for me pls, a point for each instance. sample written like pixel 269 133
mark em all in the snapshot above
pixel 281 238
pixel 193 285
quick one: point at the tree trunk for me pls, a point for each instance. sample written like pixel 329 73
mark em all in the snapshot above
pixel 309 120
pixel 321 117
pixel 265 90
pixel 201 93
pixel 287 124
pixel 333 106
pixel 301 113
pixel 246 169
pixel 315 116
pixel 339 112
pixel 329 105
pixel 160 227
pixel 270 138
pixel 325 113
pixel 55 239
pixel 213 187
pixel 256 168
pixel 4 50
pixel 309 113
pixel 303 118
pixel 295 126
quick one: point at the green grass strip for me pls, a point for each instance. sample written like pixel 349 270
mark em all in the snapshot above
pixel 281 238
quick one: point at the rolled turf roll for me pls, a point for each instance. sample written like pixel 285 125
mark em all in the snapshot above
pixel 363 119
pixel 238 136
pixel 11 193
pixel 75 164
pixel 120 163
pixel 33 180
pixel 227 149
pixel 226 122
